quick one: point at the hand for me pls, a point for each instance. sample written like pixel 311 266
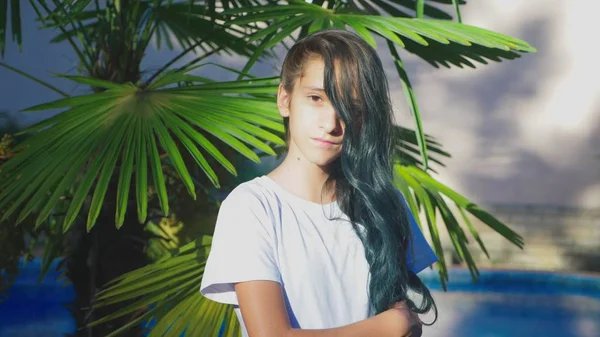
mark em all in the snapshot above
pixel 412 326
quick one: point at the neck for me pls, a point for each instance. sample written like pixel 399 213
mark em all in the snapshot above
pixel 304 179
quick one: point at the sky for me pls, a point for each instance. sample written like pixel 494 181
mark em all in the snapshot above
pixel 520 132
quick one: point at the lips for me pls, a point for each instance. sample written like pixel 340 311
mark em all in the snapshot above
pixel 321 140
pixel 325 142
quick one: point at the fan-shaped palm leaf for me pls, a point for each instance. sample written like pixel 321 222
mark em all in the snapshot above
pixel 126 130
pixel 464 41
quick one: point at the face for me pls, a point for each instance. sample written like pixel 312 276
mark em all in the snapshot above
pixel 315 130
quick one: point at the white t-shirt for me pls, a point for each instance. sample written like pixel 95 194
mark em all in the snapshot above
pixel 264 232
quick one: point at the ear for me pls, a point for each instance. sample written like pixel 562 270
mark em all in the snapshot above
pixel 283 102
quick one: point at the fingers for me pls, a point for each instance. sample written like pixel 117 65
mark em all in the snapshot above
pixel 416 326
pixel 400 305
pixel 416 331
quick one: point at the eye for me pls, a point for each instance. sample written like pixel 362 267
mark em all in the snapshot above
pixel 315 98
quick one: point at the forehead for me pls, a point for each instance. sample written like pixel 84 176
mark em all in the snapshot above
pixel 313 77
pixel 313 73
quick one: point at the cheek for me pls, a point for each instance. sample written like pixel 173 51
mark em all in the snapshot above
pixel 304 117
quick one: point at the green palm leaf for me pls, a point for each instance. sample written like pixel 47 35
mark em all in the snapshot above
pixel 125 130
pixel 192 25
pixel 79 10
pixel 428 196
pixel 462 44
pixel 15 19
pixel 186 22
pixel 404 8
pixel 438 54
pixel 170 289
pixel 407 148
pixel 397 29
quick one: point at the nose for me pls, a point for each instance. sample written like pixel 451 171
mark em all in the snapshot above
pixel 331 123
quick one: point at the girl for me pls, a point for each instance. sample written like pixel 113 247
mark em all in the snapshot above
pixel 324 245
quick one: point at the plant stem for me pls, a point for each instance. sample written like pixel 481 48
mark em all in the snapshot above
pixel 35 79
pixel 170 63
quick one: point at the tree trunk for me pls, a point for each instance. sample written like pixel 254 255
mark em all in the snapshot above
pixel 100 256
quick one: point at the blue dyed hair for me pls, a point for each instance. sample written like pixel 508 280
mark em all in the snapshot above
pixel 356 84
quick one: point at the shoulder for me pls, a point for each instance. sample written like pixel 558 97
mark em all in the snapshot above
pixel 251 194
pixel 249 202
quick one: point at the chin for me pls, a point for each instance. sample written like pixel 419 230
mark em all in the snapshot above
pixel 323 161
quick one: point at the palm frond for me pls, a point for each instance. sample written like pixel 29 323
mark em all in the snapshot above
pixel 170 289
pixel 407 148
pixel 14 13
pixel 189 23
pixel 412 102
pixel 35 79
pixel 186 23
pixel 447 55
pixel 286 19
pixel 126 131
pixel 456 4
pixel 428 196
pixel 459 41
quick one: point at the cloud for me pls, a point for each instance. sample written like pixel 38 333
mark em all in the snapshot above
pixel 519 131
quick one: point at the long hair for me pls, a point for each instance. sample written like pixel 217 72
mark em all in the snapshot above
pixel 356 84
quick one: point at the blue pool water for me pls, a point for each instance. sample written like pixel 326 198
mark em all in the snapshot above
pixel 501 304
pixel 516 304
pixel 36 309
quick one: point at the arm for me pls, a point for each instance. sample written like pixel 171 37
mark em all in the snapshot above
pixel 264 314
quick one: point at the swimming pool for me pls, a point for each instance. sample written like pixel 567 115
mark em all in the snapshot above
pixel 35 309
pixel 501 304
pixel 516 304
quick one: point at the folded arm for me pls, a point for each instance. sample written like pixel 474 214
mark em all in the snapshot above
pixel 264 314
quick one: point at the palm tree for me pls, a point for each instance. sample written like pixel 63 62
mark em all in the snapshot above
pixel 139 143
pixel 13 243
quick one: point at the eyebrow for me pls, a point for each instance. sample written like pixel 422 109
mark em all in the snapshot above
pixel 314 88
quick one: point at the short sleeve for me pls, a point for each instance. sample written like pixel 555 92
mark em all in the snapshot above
pixel 420 254
pixel 242 247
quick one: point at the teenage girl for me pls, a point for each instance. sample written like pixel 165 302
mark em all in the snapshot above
pixel 324 245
